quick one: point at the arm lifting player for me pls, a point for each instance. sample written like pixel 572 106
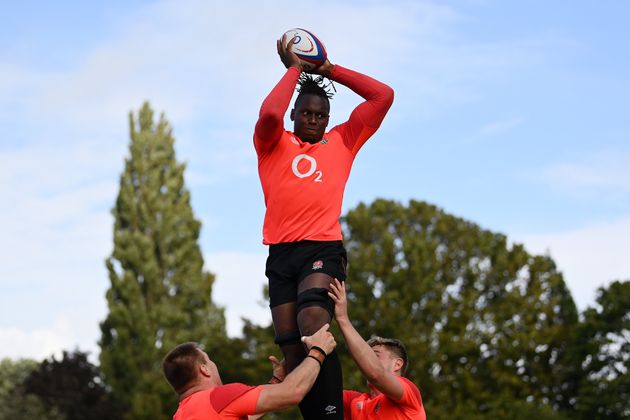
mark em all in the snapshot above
pixel 202 395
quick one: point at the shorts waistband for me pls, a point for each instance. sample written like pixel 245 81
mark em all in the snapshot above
pixel 306 242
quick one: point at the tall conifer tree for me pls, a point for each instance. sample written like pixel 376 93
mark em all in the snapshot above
pixel 159 295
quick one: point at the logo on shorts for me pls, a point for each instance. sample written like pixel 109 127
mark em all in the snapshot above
pixel 331 409
pixel 318 265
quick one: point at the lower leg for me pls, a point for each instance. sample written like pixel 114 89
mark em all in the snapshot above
pixel 325 400
pixel 288 334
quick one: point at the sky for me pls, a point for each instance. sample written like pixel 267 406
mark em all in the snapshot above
pixel 514 115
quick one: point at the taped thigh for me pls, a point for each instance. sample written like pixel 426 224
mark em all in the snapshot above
pixel 316 297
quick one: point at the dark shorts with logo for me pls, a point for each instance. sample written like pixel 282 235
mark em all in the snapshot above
pixel 289 263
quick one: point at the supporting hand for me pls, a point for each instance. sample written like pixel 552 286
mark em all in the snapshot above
pixel 322 339
pixel 323 70
pixel 279 370
pixel 338 294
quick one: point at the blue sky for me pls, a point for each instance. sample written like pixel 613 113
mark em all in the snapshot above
pixel 511 114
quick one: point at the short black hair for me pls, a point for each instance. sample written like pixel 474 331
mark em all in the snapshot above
pixel 311 85
pixel 393 345
pixel 180 365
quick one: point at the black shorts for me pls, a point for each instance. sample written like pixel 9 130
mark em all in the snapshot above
pixel 290 262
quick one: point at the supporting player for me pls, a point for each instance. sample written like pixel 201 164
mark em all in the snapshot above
pixel 203 396
pixel 383 362
pixel 303 175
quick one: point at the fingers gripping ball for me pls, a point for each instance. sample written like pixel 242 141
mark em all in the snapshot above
pixel 307 47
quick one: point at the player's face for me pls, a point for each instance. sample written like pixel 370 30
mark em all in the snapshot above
pixel 387 359
pixel 310 118
pixel 210 366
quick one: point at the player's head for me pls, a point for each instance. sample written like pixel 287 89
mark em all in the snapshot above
pixel 311 109
pixel 391 353
pixel 188 365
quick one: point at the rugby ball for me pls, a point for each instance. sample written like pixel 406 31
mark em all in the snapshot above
pixel 307 47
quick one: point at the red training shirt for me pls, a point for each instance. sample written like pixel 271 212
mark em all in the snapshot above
pixel 360 406
pixel 233 401
pixel 303 183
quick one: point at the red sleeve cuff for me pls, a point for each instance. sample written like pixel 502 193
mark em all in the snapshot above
pixel 335 71
pixel 294 69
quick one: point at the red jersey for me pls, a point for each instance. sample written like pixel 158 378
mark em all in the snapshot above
pixel 303 183
pixel 360 406
pixel 233 401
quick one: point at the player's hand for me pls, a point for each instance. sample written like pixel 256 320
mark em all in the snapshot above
pixel 323 70
pixel 288 57
pixel 337 293
pixel 322 339
pixel 279 368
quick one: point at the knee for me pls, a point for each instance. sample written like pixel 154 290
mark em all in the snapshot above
pixel 315 297
pixel 315 309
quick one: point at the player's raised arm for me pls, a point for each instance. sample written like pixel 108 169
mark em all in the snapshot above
pixel 270 124
pixel 363 355
pixel 367 117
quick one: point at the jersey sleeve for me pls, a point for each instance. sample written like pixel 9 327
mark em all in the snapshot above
pixel 348 396
pixel 367 117
pixel 270 124
pixel 235 399
pixel 411 395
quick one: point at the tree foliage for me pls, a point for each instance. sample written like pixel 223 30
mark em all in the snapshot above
pixel 160 295
pixel 73 387
pixel 15 403
pixel 603 350
pixel 482 319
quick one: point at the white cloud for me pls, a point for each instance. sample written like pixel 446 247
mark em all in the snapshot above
pixel 38 343
pixel 57 215
pixel 177 55
pixel 238 287
pixel 499 127
pixel 606 172
pixel 589 257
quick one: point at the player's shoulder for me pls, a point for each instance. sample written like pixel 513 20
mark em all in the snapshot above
pixel 266 149
pixel 223 395
pixel 411 387
pixel 336 138
pixel 349 395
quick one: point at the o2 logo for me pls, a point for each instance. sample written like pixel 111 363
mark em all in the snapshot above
pixel 312 167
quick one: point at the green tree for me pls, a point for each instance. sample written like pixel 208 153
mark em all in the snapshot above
pixel 73 387
pixel 15 402
pixel 486 324
pixel 604 354
pixel 160 295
